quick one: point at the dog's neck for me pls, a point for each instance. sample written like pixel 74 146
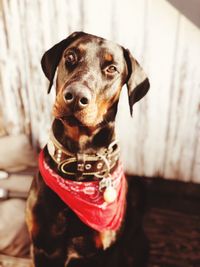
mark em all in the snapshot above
pixel 78 139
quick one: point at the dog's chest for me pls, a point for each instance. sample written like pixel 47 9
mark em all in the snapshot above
pixel 105 239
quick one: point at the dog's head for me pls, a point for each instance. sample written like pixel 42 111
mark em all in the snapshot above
pixel 90 74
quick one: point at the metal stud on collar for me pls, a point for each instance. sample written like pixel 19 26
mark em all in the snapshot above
pixel 88 166
pixel 99 165
pixel 59 155
pixel 80 167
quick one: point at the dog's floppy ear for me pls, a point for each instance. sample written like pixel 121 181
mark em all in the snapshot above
pixel 137 81
pixel 51 58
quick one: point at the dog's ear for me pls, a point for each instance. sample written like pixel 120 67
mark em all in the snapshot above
pixel 137 81
pixel 51 58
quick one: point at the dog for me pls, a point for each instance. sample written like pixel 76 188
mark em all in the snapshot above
pixel 81 209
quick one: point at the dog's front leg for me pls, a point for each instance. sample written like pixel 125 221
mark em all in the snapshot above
pixel 47 226
pixel 41 258
pixel 48 250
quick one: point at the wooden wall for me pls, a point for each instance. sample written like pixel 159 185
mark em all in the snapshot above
pixel 163 137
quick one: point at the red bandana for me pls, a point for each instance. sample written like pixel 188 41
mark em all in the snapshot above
pixel 85 198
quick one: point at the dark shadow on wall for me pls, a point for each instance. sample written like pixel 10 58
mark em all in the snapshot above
pixel 189 8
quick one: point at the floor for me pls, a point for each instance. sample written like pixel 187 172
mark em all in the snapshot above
pixel 171 222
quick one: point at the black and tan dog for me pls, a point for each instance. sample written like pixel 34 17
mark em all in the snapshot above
pixel 81 209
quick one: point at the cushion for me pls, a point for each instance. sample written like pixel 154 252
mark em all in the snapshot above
pixel 18 159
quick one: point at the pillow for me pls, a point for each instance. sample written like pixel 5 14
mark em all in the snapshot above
pixel 16 153
pixel 14 238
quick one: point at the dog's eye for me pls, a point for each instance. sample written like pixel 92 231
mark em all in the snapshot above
pixel 111 69
pixel 71 58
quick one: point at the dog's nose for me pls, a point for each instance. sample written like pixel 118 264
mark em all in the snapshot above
pixel 77 98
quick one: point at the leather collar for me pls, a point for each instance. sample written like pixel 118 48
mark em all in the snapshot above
pixel 83 165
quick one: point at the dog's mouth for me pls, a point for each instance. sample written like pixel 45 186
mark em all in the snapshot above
pixel 71 120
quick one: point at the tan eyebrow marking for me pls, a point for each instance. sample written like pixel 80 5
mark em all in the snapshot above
pixel 82 46
pixel 108 57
